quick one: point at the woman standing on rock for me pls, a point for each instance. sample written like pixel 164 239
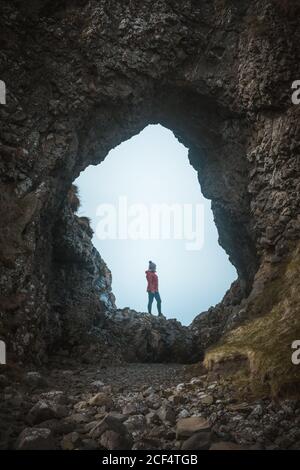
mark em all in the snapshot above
pixel 152 288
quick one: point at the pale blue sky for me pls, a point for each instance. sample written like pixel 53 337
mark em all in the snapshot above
pixel 153 167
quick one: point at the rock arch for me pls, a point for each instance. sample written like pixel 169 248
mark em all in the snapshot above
pixel 84 76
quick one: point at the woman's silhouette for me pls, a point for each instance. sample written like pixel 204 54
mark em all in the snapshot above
pixel 152 288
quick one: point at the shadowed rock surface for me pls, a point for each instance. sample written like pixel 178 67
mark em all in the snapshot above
pixel 82 76
pixel 148 338
pixel 139 406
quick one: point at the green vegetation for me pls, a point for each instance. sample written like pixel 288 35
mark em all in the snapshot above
pixel 265 340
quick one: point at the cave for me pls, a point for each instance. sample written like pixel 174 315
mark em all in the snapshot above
pixel 81 77
pixel 223 177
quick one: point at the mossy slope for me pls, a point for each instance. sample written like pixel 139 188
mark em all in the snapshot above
pixel 266 339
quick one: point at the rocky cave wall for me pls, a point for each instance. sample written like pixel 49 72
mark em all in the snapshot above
pixel 82 77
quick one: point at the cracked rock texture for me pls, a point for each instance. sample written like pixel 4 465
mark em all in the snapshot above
pixel 82 76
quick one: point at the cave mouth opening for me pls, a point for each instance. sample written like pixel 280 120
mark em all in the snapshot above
pixel 143 202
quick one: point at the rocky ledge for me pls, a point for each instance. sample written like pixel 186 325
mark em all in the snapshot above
pixel 149 338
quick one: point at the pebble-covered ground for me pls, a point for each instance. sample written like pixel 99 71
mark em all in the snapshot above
pixel 137 406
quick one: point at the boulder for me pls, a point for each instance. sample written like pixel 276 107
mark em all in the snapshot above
pixel 207 399
pixel 167 414
pixel 152 418
pixel 101 399
pixel 109 422
pixel 71 441
pixel 135 423
pixel 130 409
pixel 198 441
pixel 97 385
pixel 35 380
pixel 36 439
pixel 112 440
pixel 226 445
pixel 43 411
pixel 188 426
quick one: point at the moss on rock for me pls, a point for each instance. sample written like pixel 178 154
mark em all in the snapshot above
pixel 265 340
